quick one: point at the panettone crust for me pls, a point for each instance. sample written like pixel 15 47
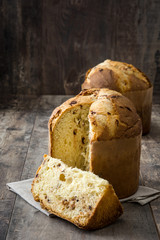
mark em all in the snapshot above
pixel 126 79
pixel 119 76
pixel 112 118
pixel 127 123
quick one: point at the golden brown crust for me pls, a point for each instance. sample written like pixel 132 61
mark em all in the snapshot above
pixel 98 79
pixel 142 100
pixel 117 76
pixel 126 122
pixel 121 161
pixel 121 122
pixel 108 209
pixel 126 79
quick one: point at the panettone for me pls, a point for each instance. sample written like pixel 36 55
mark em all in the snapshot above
pixel 78 196
pixel 99 131
pixel 126 79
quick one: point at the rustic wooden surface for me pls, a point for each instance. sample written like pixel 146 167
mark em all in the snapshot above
pixel 24 140
pixel 47 45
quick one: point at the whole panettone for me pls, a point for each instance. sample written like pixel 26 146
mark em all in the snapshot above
pixel 126 79
pixel 99 130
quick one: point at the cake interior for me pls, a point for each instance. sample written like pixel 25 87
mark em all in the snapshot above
pixel 70 137
pixel 69 191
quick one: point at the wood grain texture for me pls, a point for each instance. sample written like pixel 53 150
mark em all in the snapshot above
pixel 137 34
pixel 80 36
pixel 47 46
pixel 16 127
pixel 137 221
pixel 150 164
pixel 28 223
pixel 20 47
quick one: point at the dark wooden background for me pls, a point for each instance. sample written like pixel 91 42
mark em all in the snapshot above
pixel 47 45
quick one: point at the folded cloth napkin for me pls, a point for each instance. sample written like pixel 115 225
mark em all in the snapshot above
pixel 143 195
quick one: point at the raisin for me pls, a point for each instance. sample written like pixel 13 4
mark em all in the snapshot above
pixel 117 122
pixel 37 175
pixel 90 207
pixel 108 113
pixel 73 102
pixel 75 131
pixel 73 206
pixel 114 96
pixel 129 109
pixel 58 165
pixel 94 123
pixel 83 138
pixel 58 112
pixel 62 177
pixel 75 111
pixel 73 198
pixel 100 70
pixel 65 202
pixel 92 112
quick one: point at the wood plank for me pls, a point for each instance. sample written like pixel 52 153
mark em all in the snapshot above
pixel 20 47
pixel 150 167
pixel 27 223
pixel 150 164
pixel 154 135
pixel 84 37
pixel 47 46
pixel 16 127
pixel 137 36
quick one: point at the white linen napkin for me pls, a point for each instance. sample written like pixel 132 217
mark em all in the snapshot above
pixel 143 195
pixel 23 189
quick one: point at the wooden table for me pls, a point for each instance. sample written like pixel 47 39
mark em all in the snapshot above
pixel 24 140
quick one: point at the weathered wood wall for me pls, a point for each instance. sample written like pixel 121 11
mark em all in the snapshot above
pixel 47 45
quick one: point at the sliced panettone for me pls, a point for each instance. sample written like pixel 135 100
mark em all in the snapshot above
pixel 78 196
pixel 100 131
pixel 126 79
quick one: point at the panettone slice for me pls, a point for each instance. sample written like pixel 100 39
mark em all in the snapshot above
pixel 78 196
